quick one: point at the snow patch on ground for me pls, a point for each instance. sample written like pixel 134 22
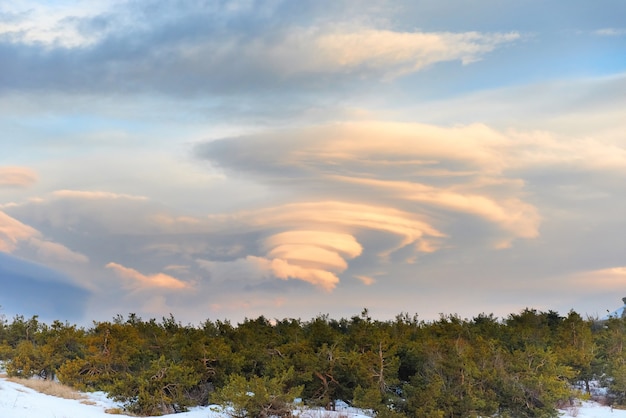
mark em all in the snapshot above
pixel 17 401
pixel 593 410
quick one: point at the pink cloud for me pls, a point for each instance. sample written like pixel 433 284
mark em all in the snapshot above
pixel 94 195
pixel 158 280
pixel 17 177
pixel 54 251
pixel 284 270
pixel 366 280
pixel 12 232
pixel 510 213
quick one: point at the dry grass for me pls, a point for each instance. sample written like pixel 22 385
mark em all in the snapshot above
pixel 323 414
pixel 119 411
pixel 49 388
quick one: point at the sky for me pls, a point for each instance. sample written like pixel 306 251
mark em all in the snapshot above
pixel 230 159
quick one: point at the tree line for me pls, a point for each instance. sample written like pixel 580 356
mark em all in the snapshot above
pixel 525 365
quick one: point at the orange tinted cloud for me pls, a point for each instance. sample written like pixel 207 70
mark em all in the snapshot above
pixel 284 270
pixel 55 251
pixel 340 242
pixel 12 231
pixel 404 52
pixel 381 53
pixel 317 256
pixel 613 278
pixel 510 214
pixel 411 145
pixel 312 256
pixel 17 177
pixel 318 238
pixel 366 280
pixel 159 280
pixel 342 216
pixel 94 195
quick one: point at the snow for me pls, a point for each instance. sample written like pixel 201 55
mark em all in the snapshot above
pixel 17 401
pixel 593 410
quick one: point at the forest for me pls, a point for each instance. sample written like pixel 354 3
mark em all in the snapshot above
pixel 525 365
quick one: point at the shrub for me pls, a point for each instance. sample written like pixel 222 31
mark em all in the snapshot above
pixel 161 389
pixel 258 397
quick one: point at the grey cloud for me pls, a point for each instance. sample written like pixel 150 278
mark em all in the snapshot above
pixel 211 47
pixel 134 232
pixel 521 178
pixel 13 17
pixel 138 49
pixel 30 289
pixel 17 177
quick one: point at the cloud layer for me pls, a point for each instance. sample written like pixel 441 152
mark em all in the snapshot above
pixel 241 158
pixel 17 177
pixel 209 48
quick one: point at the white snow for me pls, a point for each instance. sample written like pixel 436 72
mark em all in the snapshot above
pixel 17 401
pixel 593 410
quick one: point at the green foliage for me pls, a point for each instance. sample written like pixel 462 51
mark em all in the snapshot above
pixel 522 366
pixel 27 360
pixel 162 388
pixel 535 382
pixel 258 397
pixel 6 351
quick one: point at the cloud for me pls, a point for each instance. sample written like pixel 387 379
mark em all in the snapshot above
pixel 462 169
pixel 442 172
pixel 512 214
pixel 352 197
pixel 312 256
pixel 366 280
pixel 284 270
pixel 383 54
pixel 399 53
pixel 94 195
pixel 12 232
pixel 544 149
pixel 48 250
pixel 89 212
pixel 336 242
pixel 52 24
pixel 408 227
pixel 612 279
pixel 370 145
pixel 158 280
pixel 200 49
pixel 317 238
pixel 321 249
pixel 455 137
pixel 17 177
pixel 611 32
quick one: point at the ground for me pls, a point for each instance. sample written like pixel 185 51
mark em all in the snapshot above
pixel 17 401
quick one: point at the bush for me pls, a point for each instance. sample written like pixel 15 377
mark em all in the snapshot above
pixel 26 362
pixel 161 389
pixel 258 397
